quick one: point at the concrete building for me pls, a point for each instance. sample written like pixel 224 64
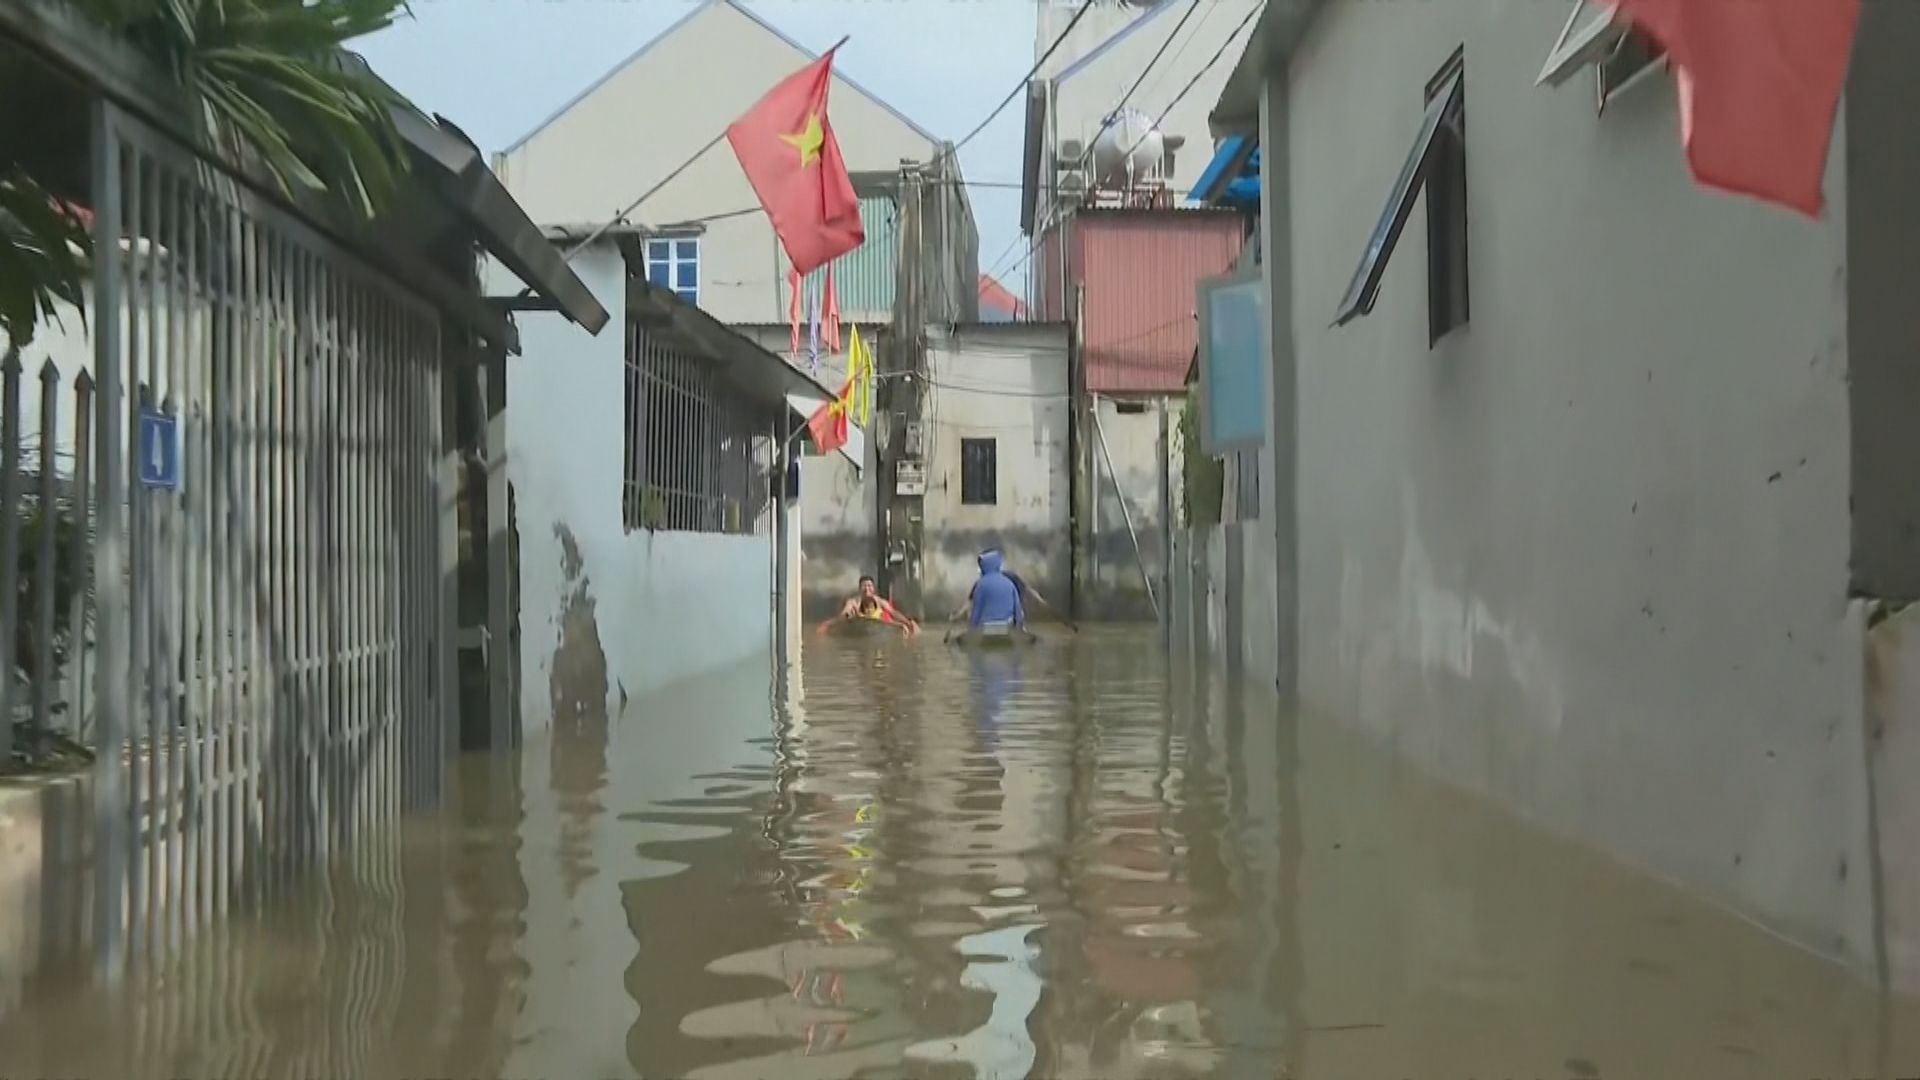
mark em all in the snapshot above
pixel 642 466
pixel 1114 255
pixel 1126 278
pixel 705 238
pixel 997 458
pixel 1588 491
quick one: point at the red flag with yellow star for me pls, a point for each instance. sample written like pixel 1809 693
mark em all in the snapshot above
pixel 786 147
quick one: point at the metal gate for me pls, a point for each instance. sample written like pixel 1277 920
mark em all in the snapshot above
pixel 267 570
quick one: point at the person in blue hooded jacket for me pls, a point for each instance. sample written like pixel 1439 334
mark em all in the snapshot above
pixel 996 599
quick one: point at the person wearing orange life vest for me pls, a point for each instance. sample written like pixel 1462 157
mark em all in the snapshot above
pixel 869 604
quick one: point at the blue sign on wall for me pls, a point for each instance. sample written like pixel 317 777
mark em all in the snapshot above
pixel 158 454
pixel 1233 364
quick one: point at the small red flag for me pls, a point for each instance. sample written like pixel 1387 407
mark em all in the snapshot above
pixel 828 424
pixel 786 147
pixel 795 283
pixel 1760 82
pixel 830 315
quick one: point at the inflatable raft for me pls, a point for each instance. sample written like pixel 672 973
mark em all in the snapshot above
pixel 866 626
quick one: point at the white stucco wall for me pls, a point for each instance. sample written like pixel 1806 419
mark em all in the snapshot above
pixel 1052 17
pixel 1128 471
pixel 1589 554
pixel 655 112
pixel 1009 383
pixel 656 607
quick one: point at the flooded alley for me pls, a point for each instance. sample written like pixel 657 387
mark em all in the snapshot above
pixel 1069 861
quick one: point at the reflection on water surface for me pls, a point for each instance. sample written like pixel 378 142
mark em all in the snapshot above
pixel 1067 862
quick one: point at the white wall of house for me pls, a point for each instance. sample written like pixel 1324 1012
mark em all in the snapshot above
pixel 654 113
pixel 1103 20
pixel 604 612
pixel 1589 554
pixel 1006 383
pixel 1127 526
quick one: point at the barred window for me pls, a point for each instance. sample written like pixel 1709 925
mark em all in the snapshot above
pixel 689 443
pixel 979 472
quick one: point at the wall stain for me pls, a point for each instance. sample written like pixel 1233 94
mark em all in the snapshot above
pixel 577 686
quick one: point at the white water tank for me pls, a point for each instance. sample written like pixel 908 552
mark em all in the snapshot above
pixel 1130 151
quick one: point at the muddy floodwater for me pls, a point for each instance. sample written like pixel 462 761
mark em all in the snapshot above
pixel 1068 861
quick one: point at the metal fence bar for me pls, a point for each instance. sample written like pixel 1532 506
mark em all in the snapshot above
pixel 164 821
pixel 110 555
pixel 371 487
pixel 9 534
pixel 388 517
pixel 46 570
pixel 270 669
pixel 146 242
pixel 192 536
pixel 261 605
pixel 139 544
pixel 359 613
pixel 225 566
pixel 330 676
pixel 315 579
pixel 258 794
pixel 290 718
pixel 298 708
pixel 411 504
pixel 80 609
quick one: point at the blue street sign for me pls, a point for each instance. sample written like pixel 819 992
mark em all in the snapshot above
pixel 158 452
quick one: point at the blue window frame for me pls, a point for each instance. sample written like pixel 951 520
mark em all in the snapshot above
pixel 675 264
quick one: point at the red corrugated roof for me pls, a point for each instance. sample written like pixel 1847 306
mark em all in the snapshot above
pixel 998 298
pixel 1141 269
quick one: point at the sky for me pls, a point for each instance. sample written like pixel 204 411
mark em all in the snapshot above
pixel 497 68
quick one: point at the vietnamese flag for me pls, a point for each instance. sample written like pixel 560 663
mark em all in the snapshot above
pixel 1760 83
pixel 828 424
pixel 786 147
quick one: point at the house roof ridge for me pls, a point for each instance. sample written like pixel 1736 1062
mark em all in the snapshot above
pixel 699 9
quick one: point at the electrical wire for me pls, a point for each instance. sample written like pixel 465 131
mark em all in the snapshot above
pixel 1085 6
pixel 1184 91
pixel 1197 76
pixel 1000 258
pixel 1173 61
pixel 1086 152
pixel 997 391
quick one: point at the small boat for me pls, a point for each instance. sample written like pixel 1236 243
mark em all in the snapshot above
pixel 995 637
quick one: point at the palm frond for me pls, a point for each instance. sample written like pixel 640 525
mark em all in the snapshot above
pixel 273 90
pixel 44 250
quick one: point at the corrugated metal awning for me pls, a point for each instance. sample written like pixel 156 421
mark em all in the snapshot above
pixel 762 377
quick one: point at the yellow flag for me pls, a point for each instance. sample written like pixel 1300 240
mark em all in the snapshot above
pixel 859 392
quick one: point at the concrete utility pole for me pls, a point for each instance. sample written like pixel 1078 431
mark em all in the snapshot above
pixel 903 485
